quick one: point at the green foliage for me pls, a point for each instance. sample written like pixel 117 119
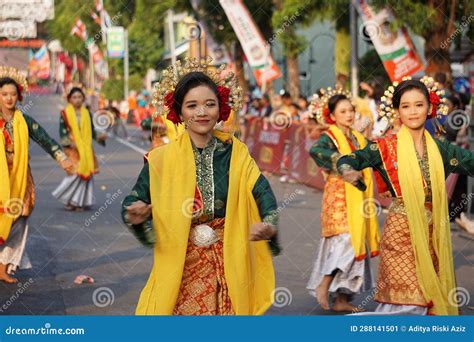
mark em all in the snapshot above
pixel 424 17
pixel 113 89
pixel 146 34
pixel 370 67
pixel 135 82
pixel 66 13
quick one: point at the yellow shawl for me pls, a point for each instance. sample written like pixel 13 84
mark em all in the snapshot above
pixel 361 211
pixel 83 140
pixel 248 265
pixel 13 185
pixel 437 288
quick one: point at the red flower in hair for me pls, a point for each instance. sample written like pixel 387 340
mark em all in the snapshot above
pixel 327 116
pixel 224 108
pixel 20 92
pixel 435 100
pixel 169 102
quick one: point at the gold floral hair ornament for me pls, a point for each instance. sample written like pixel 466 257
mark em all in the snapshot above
pixel 319 103
pixel 16 75
pixel 435 94
pixel 229 93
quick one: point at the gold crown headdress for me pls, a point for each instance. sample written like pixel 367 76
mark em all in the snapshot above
pixel 319 103
pixel 386 107
pixel 16 75
pixel 165 88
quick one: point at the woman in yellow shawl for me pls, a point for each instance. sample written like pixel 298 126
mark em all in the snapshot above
pixel 348 216
pixel 416 271
pixel 213 211
pixel 76 129
pixel 17 190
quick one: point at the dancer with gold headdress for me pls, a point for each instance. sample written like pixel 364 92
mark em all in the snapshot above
pixel 416 271
pixel 17 190
pixel 77 131
pixel 213 211
pixel 348 216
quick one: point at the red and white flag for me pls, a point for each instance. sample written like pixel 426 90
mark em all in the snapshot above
pixel 99 5
pixel 96 18
pixel 79 29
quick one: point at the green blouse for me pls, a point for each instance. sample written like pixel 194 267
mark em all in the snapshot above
pixel 39 135
pixel 212 177
pixel 455 160
pixel 325 153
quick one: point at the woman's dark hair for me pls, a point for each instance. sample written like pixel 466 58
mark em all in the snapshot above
pixel 8 80
pixel 188 82
pixel 75 90
pixel 455 101
pixel 334 100
pixel 405 86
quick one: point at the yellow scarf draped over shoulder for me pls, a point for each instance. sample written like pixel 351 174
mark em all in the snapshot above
pixel 13 185
pixel 361 211
pixel 172 130
pixel 438 287
pixel 248 265
pixel 82 136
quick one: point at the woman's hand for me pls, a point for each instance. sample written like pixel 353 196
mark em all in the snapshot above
pixel 351 176
pixel 138 212
pixel 261 231
pixel 68 166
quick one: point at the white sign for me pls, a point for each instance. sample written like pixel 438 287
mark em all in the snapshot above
pixel 32 10
pixel 17 29
pixel 252 42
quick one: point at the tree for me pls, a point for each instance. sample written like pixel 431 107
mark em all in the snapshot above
pixel 293 14
pixel 66 14
pixel 439 22
pixel 146 34
pixel 213 15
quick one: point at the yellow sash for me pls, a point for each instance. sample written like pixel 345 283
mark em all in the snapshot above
pixel 13 185
pixel 248 265
pixel 83 140
pixel 361 211
pixel 172 130
pixel 436 287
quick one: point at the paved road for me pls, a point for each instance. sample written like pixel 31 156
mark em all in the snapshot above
pixel 63 245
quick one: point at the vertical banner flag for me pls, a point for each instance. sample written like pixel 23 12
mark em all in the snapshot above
pixel 40 64
pixel 115 42
pixel 256 49
pixel 395 48
pixel 79 29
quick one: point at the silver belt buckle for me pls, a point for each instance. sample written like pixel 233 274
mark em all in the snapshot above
pixel 203 235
